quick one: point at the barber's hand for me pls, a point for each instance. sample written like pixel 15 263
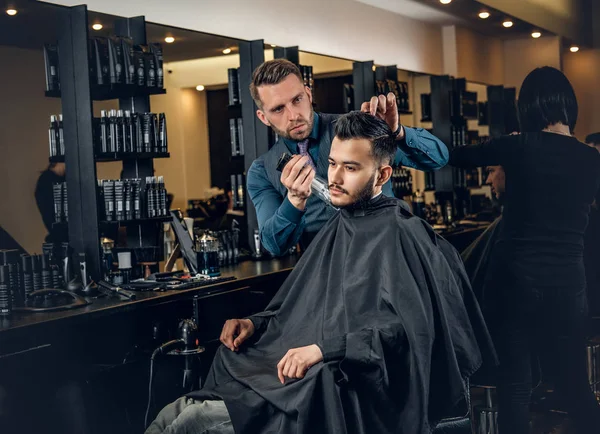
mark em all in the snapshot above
pixel 297 361
pixel 235 332
pixel 384 108
pixel 297 175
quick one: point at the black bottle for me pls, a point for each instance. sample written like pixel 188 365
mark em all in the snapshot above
pixel 119 132
pixel 46 272
pixel 27 275
pixel 112 127
pixel 128 133
pixel 5 292
pixel 52 135
pixel 104 132
pixel 61 136
pixel 36 268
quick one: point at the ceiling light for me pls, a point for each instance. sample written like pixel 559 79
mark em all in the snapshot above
pixel 574 49
pixel 169 39
pixel 507 24
pixel 199 88
pixel 12 12
pixel 536 35
pixel 445 2
pixel 97 26
pixel 273 45
pixel 484 15
pixel 227 51
pixel 374 68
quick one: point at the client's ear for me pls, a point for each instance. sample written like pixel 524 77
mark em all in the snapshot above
pixel 385 173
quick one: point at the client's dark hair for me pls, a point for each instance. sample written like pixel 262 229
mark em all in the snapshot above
pixel 593 138
pixel 546 98
pixel 358 125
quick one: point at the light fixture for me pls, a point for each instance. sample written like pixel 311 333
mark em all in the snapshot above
pixel 536 35
pixel 12 12
pixel 169 39
pixel 273 45
pixel 227 51
pixel 199 88
pixel 484 15
pixel 374 68
pixel 97 26
pixel 445 2
pixel 507 23
pixel 574 48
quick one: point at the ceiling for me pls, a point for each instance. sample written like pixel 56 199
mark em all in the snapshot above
pixel 459 12
pixel 38 23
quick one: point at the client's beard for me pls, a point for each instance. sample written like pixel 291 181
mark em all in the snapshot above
pixel 364 196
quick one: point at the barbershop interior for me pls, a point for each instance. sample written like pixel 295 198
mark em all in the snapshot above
pixel 272 216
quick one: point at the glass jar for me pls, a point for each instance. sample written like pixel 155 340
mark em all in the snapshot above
pixel 207 254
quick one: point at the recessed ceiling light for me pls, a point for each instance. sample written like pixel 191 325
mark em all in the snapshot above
pixel 227 51
pixel 536 35
pixel 169 39
pixel 507 23
pixel 445 2
pixel 484 15
pixel 273 45
pixel 374 68
pixel 199 88
pixel 574 49
pixel 97 26
pixel 12 12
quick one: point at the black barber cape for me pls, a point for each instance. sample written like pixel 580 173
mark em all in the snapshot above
pixel 389 303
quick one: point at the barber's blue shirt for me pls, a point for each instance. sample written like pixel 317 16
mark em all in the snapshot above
pixel 280 223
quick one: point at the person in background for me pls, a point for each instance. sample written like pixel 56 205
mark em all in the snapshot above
pixel 536 270
pixel 593 140
pixel 286 211
pixel 44 197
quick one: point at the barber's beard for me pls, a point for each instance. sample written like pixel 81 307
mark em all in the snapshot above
pixel 309 126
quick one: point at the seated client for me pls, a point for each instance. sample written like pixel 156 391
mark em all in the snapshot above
pixel 375 330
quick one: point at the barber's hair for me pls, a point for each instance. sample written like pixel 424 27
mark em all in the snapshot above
pixel 546 98
pixel 359 125
pixel 270 73
pixel 593 138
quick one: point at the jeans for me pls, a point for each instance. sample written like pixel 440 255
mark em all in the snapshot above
pixel 187 416
pixel 549 323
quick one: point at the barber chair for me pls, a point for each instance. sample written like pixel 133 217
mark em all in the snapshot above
pixel 459 424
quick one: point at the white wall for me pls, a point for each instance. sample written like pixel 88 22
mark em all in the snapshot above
pixel 339 28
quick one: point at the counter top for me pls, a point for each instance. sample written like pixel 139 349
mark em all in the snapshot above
pixel 245 273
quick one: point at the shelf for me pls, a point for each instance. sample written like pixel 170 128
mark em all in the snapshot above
pixel 137 221
pixel 119 91
pixel 119 156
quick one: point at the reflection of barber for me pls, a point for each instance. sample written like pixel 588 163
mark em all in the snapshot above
pixel 44 197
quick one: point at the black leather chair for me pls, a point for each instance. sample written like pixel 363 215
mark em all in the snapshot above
pixel 461 423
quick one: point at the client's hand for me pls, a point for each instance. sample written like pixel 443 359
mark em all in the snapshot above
pixel 236 331
pixel 297 361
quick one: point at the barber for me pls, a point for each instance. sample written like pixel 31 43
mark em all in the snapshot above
pixel 286 211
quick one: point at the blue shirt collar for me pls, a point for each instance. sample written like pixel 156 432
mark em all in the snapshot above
pixel 292 145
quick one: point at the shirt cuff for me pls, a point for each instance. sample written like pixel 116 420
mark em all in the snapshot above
pixel 290 212
pixel 333 348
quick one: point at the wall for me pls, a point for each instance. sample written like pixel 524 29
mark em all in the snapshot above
pixel 354 30
pixel 582 70
pixel 480 58
pixel 521 56
pixel 212 71
pixel 24 118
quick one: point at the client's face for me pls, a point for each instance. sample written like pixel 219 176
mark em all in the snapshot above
pixel 352 172
pixel 497 180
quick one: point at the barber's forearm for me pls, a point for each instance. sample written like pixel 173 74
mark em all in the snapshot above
pixel 420 150
pixel 333 349
pixel 283 230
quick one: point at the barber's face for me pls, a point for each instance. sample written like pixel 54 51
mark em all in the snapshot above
pixel 354 176
pixel 497 180
pixel 287 108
